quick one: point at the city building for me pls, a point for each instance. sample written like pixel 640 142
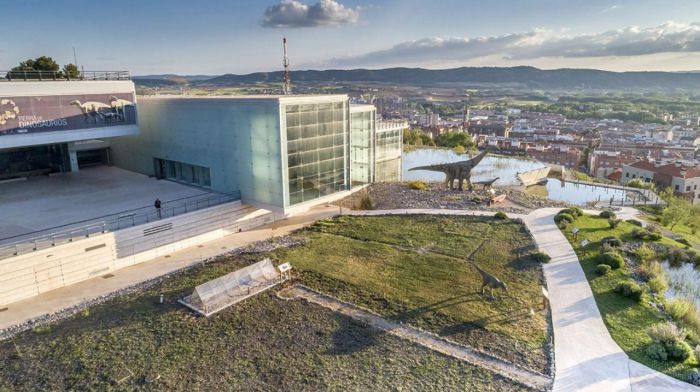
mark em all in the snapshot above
pixel 58 126
pixel 684 180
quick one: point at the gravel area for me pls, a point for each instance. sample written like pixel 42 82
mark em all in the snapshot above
pixel 257 247
pixel 398 195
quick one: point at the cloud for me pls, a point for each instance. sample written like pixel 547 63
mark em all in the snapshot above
pixel 293 13
pixel 611 8
pixel 540 43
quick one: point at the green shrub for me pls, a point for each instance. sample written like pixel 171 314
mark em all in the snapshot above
pixel 658 285
pixel 649 271
pixel 575 212
pixel 541 257
pixel 678 308
pixel 563 217
pixel 666 333
pixel 417 185
pixel 676 256
pixel 614 222
pixel 562 225
pixel 645 235
pixel 645 254
pixel 634 222
pixel 612 241
pixel 680 351
pixel 654 237
pixel 607 214
pixel 657 351
pixel 696 351
pixel 629 289
pixel 683 241
pixel 613 259
pixel 653 228
pixel 602 269
pixel 501 215
pixel 366 202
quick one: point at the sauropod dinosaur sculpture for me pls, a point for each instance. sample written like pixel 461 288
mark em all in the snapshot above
pixel 460 171
pixel 487 184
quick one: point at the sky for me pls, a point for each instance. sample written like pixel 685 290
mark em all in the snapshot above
pixel 243 36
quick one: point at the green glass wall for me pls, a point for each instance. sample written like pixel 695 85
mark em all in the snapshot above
pixel 361 146
pixel 388 149
pixel 317 149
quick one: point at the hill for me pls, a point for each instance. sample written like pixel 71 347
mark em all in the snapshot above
pixel 523 76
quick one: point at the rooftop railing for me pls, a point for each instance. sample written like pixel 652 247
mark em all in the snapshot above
pixel 31 242
pixel 40 76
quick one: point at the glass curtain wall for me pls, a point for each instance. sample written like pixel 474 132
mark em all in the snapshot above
pixel 388 149
pixel 361 152
pixel 317 150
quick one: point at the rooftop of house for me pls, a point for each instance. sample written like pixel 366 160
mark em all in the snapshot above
pixel 671 169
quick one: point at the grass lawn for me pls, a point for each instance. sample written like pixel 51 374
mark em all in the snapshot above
pixel 680 229
pixel 413 269
pixel 626 319
pixel 261 344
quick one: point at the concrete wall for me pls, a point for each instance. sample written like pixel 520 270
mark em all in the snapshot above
pixel 34 273
pixel 533 176
pixel 238 140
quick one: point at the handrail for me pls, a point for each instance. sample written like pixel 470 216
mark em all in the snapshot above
pixel 35 75
pixel 113 222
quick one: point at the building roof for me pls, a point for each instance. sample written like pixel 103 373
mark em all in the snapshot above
pixel 671 169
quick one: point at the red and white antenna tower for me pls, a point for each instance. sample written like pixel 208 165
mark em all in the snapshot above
pixel 287 88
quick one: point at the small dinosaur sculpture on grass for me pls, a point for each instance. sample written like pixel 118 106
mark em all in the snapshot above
pixel 460 171
pixel 487 184
pixel 487 279
pixel 490 281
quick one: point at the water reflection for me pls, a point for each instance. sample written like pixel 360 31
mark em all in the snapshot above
pixel 507 168
pixel 491 167
pixel 683 282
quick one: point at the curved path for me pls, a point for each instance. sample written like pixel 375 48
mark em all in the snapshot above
pixel 585 355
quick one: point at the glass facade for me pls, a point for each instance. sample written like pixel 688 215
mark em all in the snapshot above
pixel 361 146
pixel 317 149
pixel 388 149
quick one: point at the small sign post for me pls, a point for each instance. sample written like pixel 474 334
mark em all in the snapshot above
pixel 284 269
pixel 575 232
pixel 583 246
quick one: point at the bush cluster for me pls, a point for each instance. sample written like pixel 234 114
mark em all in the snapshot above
pixel 607 214
pixel 366 202
pixel 650 270
pixel 614 222
pixel 629 289
pixel 602 269
pixel 501 215
pixel 645 234
pixel 541 257
pixel 568 218
pixel 612 241
pixel 613 259
pixel 683 241
pixel 417 185
pixel 658 285
pixel 634 222
pixel 669 343
pixel 573 211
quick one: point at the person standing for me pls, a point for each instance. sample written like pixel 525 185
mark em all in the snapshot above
pixel 157 205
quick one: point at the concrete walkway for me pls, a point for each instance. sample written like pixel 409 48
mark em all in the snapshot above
pixel 67 297
pixel 586 357
pixel 428 340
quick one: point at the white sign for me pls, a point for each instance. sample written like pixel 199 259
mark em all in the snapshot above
pixel 584 242
pixel 284 267
pixel 574 230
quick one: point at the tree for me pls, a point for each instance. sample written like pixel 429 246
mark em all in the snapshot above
pixel 42 63
pixel 676 211
pixel 70 70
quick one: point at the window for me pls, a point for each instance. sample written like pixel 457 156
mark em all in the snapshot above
pixel 183 172
pixel 627 175
pixel 687 188
pixel 634 176
pixel 676 187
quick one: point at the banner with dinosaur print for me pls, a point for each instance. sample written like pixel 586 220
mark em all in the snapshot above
pixel 23 115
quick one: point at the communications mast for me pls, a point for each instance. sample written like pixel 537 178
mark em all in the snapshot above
pixel 287 88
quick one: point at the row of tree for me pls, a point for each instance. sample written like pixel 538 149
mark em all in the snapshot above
pixel 679 210
pixel 447 139
pixel 47 66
